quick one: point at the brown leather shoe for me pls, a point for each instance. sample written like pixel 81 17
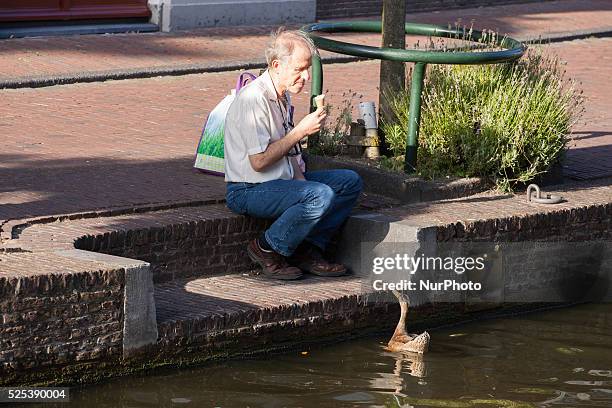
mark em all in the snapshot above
pixel 309 259
pixel 274 265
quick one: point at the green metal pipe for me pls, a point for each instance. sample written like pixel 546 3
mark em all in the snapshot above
pixel 513 49
pixel 316 86
pixel 414 118
pixel 431 57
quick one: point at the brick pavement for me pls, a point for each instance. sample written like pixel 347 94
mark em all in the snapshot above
pixel 588 62
pixel 491 206
pixel 119 143
pixel 79 55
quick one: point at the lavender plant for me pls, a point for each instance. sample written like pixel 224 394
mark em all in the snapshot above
pixel 331 140
pixel 509 122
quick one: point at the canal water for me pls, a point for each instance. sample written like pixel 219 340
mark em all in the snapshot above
pixel 559 358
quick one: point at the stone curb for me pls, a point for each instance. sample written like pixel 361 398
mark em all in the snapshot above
pixel 178 70
pixel 140 73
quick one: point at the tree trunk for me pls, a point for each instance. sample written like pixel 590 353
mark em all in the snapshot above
pixel 392 73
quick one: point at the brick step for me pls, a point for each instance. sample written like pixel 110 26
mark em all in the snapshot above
pixel 178 243
pixel 233 295
pixel 208 313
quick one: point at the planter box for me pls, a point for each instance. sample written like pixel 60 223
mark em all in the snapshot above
pixel 406 189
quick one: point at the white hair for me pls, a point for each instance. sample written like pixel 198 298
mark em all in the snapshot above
pixel 282 44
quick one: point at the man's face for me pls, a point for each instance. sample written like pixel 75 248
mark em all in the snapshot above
pixel 293 74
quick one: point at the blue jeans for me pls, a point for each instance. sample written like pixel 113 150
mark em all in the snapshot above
pixel 310 210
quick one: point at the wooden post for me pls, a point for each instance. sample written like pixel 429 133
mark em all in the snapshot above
pixel 392 73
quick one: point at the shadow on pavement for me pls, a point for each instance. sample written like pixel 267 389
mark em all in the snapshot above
pixel 31 188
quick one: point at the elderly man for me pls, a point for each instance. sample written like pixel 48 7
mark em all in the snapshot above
pixel 264 174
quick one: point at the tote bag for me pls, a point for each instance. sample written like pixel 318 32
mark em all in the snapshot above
pixel 209 154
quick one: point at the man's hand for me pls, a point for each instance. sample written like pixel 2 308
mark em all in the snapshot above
pixel 279 148
pixel 312 122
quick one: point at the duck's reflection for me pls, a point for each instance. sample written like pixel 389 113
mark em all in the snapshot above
pixel 411 364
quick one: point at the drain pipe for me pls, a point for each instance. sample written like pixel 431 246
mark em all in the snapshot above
pixel 161 15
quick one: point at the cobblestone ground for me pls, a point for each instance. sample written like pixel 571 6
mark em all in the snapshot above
pixel 91 53
pixel 120 143
pixel 588 62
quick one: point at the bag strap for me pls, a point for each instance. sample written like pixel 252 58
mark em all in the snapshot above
pixel 243 79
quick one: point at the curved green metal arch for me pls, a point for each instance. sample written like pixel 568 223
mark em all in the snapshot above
pixel 514 49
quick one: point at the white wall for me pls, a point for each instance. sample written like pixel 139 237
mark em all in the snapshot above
pixel 172 15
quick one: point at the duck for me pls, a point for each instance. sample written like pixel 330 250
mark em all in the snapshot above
pixel 401 341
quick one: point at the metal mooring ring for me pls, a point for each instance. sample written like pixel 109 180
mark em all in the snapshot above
pixel 549 199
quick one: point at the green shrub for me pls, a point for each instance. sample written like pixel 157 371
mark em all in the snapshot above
pixel 508 122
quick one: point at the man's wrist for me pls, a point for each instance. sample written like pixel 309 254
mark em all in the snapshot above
pixel 297 134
